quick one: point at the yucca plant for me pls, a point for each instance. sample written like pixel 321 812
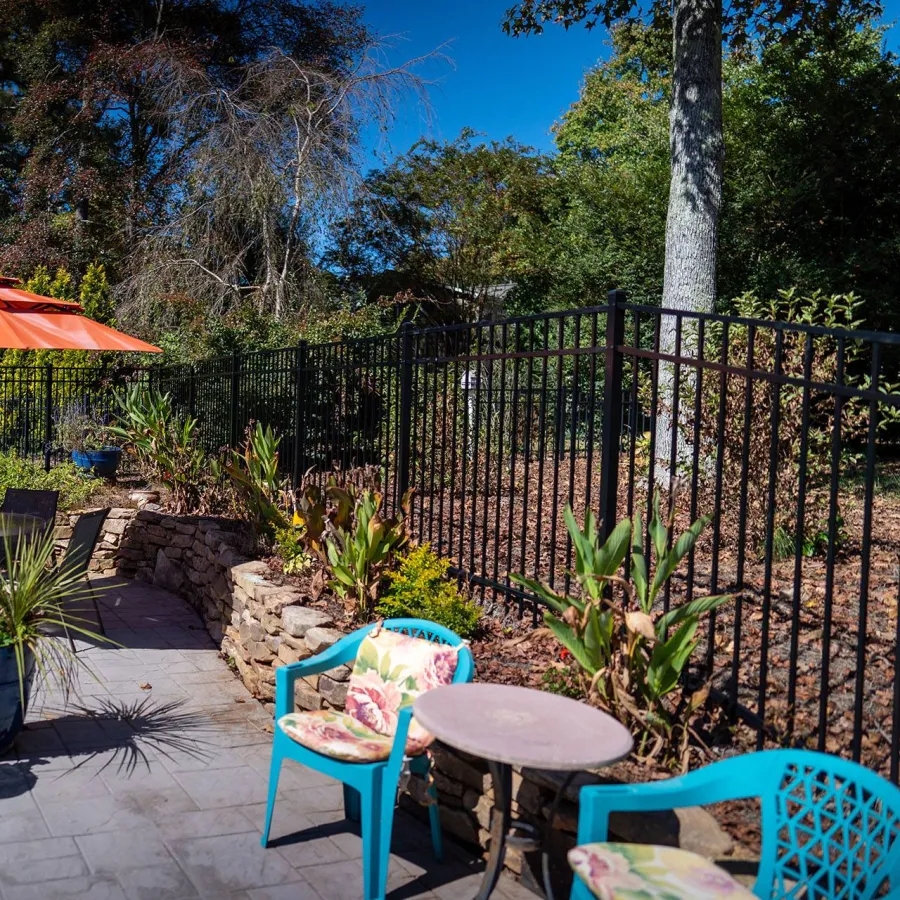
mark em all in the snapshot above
pixel 253 470
pixel 35 626
pixel 165 444
pixel 633 656
pixel 361 543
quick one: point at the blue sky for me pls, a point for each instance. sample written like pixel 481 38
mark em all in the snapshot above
pixel 500 85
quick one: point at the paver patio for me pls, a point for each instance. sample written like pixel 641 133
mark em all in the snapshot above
pixel 151 782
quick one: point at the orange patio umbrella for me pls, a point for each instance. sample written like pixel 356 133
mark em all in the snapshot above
pixel 30 322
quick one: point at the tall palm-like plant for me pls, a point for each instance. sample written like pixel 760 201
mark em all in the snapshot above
pixel 34 621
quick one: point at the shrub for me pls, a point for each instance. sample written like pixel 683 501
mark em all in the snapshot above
pixel 419 589
pixel 254 473
pixel 289 547
pixel 631 656
pixel 361 544
pixel 75 488
pixel 166 447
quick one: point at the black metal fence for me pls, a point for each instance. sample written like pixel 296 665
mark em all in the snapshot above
pixel 785 433
pixel 35 399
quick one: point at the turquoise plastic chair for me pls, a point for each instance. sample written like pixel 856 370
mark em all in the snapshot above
pixel 370 789
pixel 829 826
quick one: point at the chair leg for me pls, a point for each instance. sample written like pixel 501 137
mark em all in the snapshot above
pixel 100 629
pixel 374 877
pixel 351 803
pixel 274 773
pixel 434 818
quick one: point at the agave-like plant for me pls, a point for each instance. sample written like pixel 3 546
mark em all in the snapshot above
pixel 633 655
pixel 361 543
pixel 165 444
pixel 35 623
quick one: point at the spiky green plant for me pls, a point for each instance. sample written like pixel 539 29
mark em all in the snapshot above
pixel 361 545
pixel 34 620
pixel 632 654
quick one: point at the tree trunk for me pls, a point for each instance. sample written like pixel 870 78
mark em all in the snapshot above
pixel 695 196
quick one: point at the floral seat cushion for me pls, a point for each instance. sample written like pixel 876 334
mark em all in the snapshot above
pixel 390 671
pixel 643 872
pixel 335 734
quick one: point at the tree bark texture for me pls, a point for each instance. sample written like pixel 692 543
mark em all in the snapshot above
pixel 695 197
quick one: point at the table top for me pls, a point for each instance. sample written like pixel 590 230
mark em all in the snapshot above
pixel 13 524
pixel 521 726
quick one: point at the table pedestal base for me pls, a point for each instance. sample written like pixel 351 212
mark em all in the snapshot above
pixel 528 838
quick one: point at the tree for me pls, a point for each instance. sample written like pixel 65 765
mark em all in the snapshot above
pixel 461 215
pixel 812 179
pixel 696 137
pixel 93 157
pixel 811 185
pixel 613 172
pixel 275 158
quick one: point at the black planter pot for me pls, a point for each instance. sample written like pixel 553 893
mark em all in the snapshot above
pixel 12 712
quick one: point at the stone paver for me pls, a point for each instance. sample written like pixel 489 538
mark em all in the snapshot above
pixel 150 781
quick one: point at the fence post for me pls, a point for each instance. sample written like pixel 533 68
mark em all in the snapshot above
pixel 48 414
pixel 192 393
pixel 404 431
pixel 235 388
pixel 611 436
pixel 299 407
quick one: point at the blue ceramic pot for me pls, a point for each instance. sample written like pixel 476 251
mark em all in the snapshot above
pixel 103 462
pixel 12 712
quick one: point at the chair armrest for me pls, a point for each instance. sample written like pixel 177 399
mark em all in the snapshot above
pixel 724 780
pixel 285 676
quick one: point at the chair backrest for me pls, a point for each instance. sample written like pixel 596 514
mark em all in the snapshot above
pixel 83 540
pixel 41 504
pixel 438 634
pixel 388 676
pixel 828 824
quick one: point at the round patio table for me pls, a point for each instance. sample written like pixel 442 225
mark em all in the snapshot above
pixel 514 726
pixel 13 526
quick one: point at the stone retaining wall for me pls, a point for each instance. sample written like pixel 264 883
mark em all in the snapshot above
pixel 261 626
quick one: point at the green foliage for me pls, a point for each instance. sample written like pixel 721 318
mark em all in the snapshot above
pixel 459 213
pixel 361 545
pixel 289 547
pixel 165 446
pixel 811 184
pixel 76 429
pixel 419 589
pixel 95 296
pixel 254 472
pixel 34 596
pixel 74 486
pixel 633 657
pixel 563 680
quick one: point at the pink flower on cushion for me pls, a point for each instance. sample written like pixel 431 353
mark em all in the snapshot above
pixel 605 872
pixel 374 701
pixel 713 881
pixel 327 731
pixel 439 670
